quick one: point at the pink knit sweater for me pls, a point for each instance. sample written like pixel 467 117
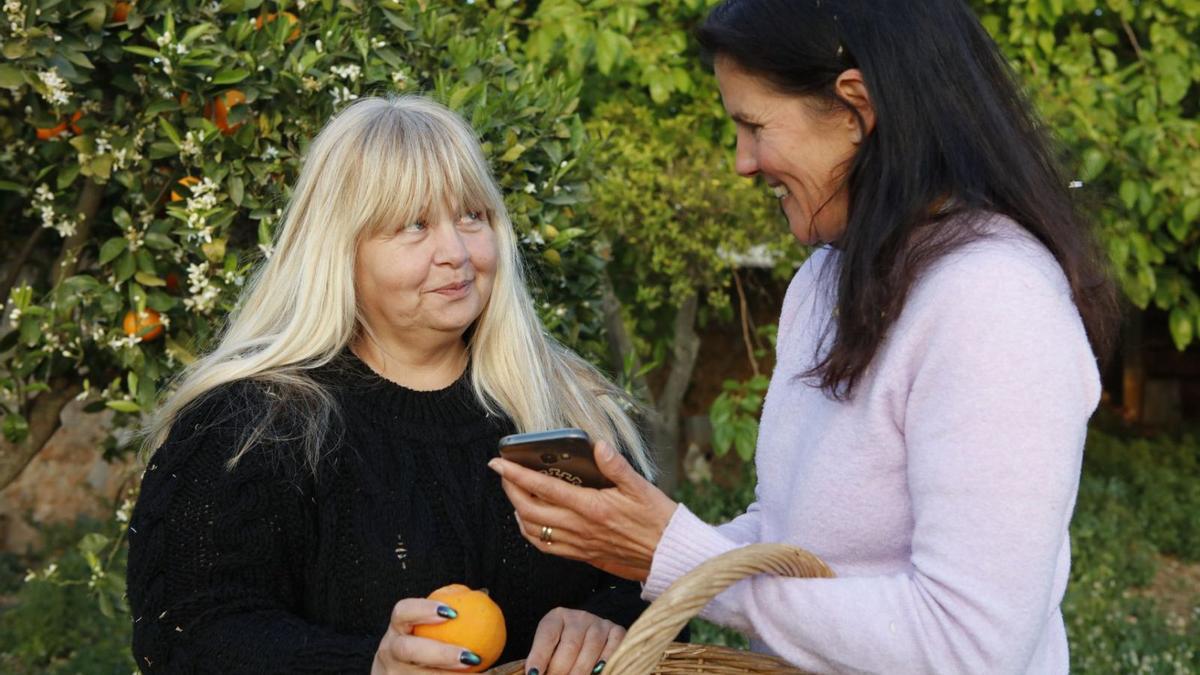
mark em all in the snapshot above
pixel 940 494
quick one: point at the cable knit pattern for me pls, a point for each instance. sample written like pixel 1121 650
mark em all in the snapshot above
pixel 270 569
pixel 940 494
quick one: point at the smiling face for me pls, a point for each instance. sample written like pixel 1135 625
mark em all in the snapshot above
pixel 427 278
pixel 802 152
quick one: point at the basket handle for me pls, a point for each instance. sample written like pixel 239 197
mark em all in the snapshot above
pixel 650 635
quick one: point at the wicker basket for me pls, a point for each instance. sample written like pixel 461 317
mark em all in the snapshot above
pixel 648 646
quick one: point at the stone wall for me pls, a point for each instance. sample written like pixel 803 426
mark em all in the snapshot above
pixel 69 478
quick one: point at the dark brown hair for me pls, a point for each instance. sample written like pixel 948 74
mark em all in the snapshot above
pixel 952 128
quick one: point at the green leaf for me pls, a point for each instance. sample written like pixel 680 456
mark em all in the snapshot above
pixel 1093 163
pixel 746 439
pixel 11 77
pixel 9 186
pixel 67 175
pixel 170 131
pixel 93 542
pixel 230 76
pixel 1129 193
pixel 112 248
pixel 159 241
pixel 1191 211
pixel 147 279
pixel 125 266
pixel 143 51
pixel 15 428
pixel 1182 328
pixel 513 153
pixel 1174 78
pixel 237 189
pixel 124 406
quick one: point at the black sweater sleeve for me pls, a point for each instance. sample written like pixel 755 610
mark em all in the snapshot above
pixel 216 558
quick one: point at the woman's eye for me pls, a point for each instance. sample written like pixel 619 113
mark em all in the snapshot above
pixel 417 226
pixel 473 217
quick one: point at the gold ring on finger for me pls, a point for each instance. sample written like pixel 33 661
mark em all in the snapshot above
pixel 547 535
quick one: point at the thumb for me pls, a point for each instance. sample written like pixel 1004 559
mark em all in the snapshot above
pixel 615 467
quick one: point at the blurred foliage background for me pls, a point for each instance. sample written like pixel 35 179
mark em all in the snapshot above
pixel 148 148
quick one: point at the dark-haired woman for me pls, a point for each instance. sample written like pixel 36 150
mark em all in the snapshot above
pixel 937 355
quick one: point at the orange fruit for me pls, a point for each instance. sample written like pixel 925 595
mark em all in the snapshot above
pixel 218 110
pixel 148 324
pixel 121 11
pixel 46 133
pixel 186 181
pixel 478 627
pixel 292 20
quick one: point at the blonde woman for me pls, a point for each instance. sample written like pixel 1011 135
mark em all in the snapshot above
pixel 325 467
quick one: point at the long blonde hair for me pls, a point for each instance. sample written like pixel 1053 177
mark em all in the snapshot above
pixel 383 161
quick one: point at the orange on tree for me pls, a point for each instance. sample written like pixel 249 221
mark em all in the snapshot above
pixel 479 625
pixel 186 181
pixel 121 11
pixel 292 20
pixel 46 133
pixel 147 324
pixel 218 110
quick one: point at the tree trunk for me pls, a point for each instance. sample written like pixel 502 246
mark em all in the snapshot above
pixel 43 416
pixel 685 346
pixel 43 411
pixel 664 408
pixel 68 257
pixel 1133 366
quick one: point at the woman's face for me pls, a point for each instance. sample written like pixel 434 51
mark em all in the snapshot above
pixel 803 154
pixel 429 277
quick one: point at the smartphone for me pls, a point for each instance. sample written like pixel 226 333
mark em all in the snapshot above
pixel 563 453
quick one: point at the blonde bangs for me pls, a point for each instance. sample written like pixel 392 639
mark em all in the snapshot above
pixel 412 162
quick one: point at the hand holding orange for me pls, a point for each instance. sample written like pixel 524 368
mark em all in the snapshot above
pixel 479 626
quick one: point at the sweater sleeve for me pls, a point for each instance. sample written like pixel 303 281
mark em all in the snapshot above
pixel 1000 391
pixel 216 558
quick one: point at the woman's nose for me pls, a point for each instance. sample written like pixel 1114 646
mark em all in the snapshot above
pixel 745 158
pixel 450 247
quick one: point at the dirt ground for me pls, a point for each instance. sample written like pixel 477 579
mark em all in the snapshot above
pixel 1176 587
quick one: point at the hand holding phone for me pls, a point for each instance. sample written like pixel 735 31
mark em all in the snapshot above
pixel 565 454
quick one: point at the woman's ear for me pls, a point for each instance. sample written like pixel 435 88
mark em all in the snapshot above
pixel 852 89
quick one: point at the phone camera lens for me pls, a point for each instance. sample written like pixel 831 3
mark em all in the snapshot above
pixel 549 458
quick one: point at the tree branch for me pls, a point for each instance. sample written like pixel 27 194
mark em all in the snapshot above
pixel 43 417
pixel 14 272
pixel 68 258
pixel 1137 48
pixel 620 346
pixel 745 312
pixel 684 349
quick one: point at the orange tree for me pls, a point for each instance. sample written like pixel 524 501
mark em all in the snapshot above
pixel 148 149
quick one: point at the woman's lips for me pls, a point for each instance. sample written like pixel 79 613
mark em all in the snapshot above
pixel 455 291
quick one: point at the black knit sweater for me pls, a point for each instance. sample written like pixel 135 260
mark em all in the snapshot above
pixel 272 568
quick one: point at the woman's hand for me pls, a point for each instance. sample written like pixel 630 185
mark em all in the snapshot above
pixel 616 529
pixel 572 642
pixel 402 653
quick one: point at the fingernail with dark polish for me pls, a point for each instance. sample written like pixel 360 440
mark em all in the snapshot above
pixel 447 612
pixel 469 659
pixel 599 667
pixel 532 671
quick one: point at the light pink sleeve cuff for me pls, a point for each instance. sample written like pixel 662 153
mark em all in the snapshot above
pixel 687 542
